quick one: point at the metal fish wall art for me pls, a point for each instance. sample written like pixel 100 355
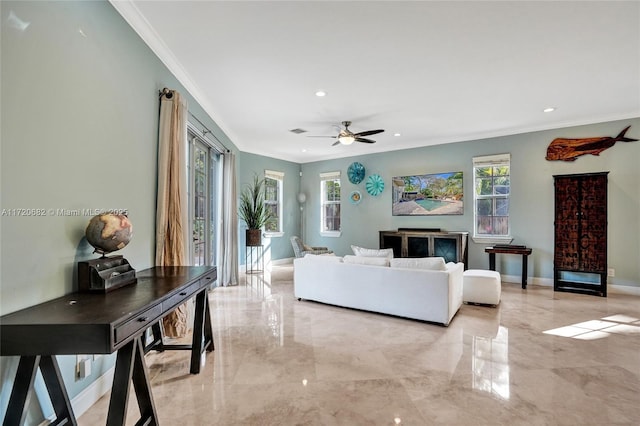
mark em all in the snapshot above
pixel 569 149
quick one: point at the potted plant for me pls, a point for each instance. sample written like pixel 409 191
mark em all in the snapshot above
pixel 254 211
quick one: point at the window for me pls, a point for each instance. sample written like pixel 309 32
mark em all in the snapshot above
pixel 492 187
pixel 273 201
pixel 330 204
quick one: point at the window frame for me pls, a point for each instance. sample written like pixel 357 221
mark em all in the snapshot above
pixel 497 160
pixel 324 178
pixel 279 178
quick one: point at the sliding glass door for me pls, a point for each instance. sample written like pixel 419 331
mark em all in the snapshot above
pixel 204 182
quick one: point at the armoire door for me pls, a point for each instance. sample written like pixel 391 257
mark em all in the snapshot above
pixel 567 223
pixel 593 224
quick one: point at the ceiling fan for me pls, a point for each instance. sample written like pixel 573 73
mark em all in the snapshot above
pixel 347 137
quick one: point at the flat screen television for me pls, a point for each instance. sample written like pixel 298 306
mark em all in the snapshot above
pixel 428 194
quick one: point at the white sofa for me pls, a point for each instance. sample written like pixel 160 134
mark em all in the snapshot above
pixel 428 295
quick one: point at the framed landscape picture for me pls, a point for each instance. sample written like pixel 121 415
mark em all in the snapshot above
pixel 428 194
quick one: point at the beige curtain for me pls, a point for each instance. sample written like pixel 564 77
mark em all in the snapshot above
pixel 171 215
pixel 229 268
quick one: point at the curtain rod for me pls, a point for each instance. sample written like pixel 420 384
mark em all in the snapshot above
pixel 206 130
pixel 169 94
pixel 166 92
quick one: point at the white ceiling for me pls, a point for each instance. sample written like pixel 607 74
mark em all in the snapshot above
pixel 435 72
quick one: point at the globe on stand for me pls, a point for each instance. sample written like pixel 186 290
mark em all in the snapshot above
pixel 109 232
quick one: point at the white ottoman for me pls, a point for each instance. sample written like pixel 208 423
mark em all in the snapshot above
pixel 480 286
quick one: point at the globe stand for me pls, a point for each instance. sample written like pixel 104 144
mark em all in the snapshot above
pixel 105 274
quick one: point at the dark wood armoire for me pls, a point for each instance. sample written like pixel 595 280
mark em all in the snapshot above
pixel 580 237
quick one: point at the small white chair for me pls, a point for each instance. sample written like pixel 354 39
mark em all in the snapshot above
pixel 482 287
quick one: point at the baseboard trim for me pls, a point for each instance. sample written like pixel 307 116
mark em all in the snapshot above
pixel 517 279
pixel 623 289
pixel 548 282
pixel 89 396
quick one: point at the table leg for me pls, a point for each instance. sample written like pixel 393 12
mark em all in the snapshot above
pixel 525 265
pixel 492 261
pixel 158 339
pixel 130 366
pixel 57 392
pixel 142 386
pixel 117 414
pixel 208 330
pixel 21 391
pixel 202 332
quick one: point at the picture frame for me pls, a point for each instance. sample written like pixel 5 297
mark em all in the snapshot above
pixel 428 194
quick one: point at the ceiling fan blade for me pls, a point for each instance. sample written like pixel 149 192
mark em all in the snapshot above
pixel 309 136
pixel 365 140
pixel 335 143
pixel 369 133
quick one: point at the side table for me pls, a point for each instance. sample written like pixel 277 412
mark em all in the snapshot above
pixel 506 249
pixel 254 259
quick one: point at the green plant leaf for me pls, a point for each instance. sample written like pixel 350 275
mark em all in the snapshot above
pixel 252 209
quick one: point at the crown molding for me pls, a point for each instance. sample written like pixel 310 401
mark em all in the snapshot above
pixel 136 20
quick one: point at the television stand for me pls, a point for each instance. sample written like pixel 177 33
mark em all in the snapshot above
pixel 411 242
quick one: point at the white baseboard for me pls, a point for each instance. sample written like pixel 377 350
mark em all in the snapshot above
pixel 623 289
pixel 92 393
pixel 548 282
pixel 89 396
pixel 517 279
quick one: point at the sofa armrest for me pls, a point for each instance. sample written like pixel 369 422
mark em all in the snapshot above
pixel 455 271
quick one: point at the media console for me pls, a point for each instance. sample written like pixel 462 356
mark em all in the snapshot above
pixel 411 242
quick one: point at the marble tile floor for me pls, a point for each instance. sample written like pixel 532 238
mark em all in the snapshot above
pixel 539 358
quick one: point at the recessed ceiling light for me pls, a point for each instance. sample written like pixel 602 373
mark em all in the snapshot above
pixel 321 93
pixel 397 134
pixel 550 109
pixel 304 150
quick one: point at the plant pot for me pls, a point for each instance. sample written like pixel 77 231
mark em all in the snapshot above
pixel 253 237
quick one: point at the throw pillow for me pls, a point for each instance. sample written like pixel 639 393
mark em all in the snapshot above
pixel 429 263
pixel 366 260
pixel 307 248
pixel 366 252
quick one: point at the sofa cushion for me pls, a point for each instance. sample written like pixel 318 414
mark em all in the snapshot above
pixel 430 263
pixel 366 252
pixel 366 260
pixel 329 257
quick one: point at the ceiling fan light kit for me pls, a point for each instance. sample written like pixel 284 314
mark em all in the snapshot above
pixel 346 140
pixel 347 137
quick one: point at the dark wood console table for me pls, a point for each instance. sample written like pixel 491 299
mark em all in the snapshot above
pixel 413 242
pixel 90 323
pixel 524 251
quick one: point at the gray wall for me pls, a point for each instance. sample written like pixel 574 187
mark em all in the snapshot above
pixel 79 131
pixel 250 164
pixel 532 202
